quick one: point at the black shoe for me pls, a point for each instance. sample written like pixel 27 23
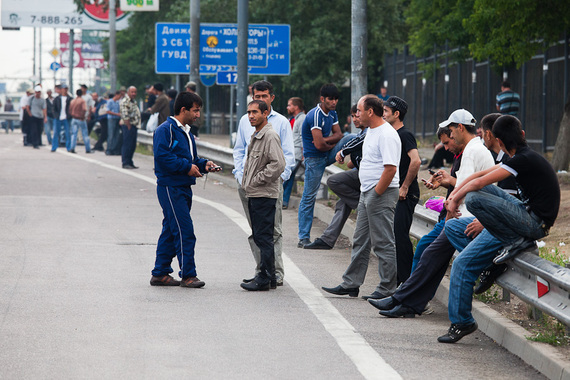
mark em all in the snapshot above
pixel 456 332
pixel 274 283
pixel 375 296
pixel 303 242
pixel 488 277
pixel 509 252
pixel 399 311
pixel 285 206
pixel 72 151
pixel 128 167
pixel 387 303
pixel 91 151
pixel 340 291
pixel 254 286
pixel 317 244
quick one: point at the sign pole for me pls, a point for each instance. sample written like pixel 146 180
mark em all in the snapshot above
pixel 113 44
pixel 71 64
pixel 243 26
pixel 195 41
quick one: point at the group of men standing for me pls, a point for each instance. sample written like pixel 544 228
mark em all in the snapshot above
pixel 486 223
pixel 64 116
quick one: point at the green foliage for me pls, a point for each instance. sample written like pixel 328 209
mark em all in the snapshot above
pixel 320 38
pixel 435 22
pixel 553 255
pixel 511 32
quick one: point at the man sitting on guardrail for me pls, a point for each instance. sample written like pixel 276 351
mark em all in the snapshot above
pixel 515 223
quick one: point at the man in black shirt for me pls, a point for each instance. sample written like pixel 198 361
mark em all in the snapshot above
pixel 512 223
pixel 394 112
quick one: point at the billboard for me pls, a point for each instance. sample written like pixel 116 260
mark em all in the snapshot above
pixel 88 51
pixel 58 14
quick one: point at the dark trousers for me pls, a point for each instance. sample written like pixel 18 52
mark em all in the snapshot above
pixel 262 214
pixel 129 144
pixel 403 218
pixel 103 135
pixel 177 237
pixel 420 288
pixel 35 128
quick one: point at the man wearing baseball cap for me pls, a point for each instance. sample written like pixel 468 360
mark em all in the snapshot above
pixel 36 109
pixel 463 131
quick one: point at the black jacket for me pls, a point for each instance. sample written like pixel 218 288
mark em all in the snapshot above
pixel 57 107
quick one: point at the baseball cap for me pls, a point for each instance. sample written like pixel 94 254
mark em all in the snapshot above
pixel 460 116
pixel 64 86
pixel 38 89
pixel 397 103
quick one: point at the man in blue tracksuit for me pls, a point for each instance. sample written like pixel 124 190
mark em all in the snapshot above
pixel 176 165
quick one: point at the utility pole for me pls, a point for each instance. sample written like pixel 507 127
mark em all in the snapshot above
pixel 243 20
pixel 359 37
pixel 195 41
pixel 40 59
pixel 113 44
pixel 71 64
pixel 34 69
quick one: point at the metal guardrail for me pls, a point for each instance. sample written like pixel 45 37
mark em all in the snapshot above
pixel 9 116
pixel 521 279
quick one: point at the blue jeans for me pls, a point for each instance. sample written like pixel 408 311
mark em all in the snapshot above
pixel 314 169
pixel 57 132
pixel 48 128
pixel 288 185
pixel 475 255
pixel 75 125
pixel 503 215
pixel 425 241
pixel 113 132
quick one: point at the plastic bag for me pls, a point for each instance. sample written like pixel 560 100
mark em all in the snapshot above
pixel 152 123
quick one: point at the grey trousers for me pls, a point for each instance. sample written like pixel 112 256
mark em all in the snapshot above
pixel 374 229
pixel 347 186
pixel 277 233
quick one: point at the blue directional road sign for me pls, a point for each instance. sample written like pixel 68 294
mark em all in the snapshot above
pixel 55 66
pixel 227 78
pixel 268 48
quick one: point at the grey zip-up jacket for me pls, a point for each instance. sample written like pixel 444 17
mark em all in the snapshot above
pixel 264 164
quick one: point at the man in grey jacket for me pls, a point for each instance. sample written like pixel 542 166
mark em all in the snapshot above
pixel 264 164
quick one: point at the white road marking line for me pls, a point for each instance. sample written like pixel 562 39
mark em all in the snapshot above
pixel 370 364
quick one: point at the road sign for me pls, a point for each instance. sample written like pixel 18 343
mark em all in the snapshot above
pixel 54 66
pixel 226 78
pixel 268 48
pixel 54 52
pixel 208 80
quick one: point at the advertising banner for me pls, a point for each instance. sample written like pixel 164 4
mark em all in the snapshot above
pixel 59 14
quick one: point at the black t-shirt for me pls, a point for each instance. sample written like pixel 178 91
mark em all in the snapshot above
pixel 408 143
pixel 537 183
pixel 508 184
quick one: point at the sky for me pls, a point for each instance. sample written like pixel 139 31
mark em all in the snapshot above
pixel 17 49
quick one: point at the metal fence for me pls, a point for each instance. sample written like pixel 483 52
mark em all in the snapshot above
pixel 543 83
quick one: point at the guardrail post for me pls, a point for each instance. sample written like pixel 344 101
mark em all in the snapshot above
pixel 506 295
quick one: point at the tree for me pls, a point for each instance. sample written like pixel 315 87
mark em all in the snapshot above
pixel 511 32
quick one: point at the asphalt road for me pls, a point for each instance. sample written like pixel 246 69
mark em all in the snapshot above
pixel 78 236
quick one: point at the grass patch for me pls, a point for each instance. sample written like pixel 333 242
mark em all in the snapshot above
pixel 551 331
pixel 553 255
pixel 144 149
pixel 490 296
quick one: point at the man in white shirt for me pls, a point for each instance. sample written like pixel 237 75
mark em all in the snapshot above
pixel 263 90
pixel 379 189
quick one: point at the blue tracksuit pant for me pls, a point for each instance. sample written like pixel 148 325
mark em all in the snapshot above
pixel 177 237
